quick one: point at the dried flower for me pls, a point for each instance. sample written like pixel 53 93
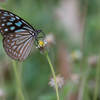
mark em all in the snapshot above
pixel 75 55
pixel 75 78
pixel 92 60
pixel 50 39
pixel 60 81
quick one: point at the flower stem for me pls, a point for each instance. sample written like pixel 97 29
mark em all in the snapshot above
pixel 18 80
pixel 83 83
pixel 53 75
pixel 97 80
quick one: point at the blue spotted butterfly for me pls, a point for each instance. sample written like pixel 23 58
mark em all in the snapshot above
pixel 18 35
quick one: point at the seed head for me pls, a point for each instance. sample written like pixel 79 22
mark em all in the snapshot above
pixel 93 60
pixel 60 81
pixel 75 55
pixel 50 39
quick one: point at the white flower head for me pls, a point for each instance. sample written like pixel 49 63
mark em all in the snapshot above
pixel 50 39
pixel 60 81
pixel 92 60
pixel 75 55
pixel 42 46
pixel 75 78
pixel 42 43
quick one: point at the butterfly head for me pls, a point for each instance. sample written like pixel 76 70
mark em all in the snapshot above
pixel 37 32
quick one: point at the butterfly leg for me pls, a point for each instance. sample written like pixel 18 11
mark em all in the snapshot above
pixel 36 42
pixel 40 37
pixel 43 33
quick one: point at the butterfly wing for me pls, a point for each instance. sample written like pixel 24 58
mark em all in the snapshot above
pixel 17 37
pixel 18 45
pixel 10 22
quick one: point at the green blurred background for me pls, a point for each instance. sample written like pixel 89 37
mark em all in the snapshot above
pixel 75 25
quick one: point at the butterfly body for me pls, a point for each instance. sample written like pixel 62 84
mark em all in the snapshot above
pixel 18 35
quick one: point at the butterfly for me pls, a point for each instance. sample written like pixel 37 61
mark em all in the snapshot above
pixel 18 35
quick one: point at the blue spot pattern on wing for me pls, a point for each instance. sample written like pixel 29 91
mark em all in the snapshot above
pixel 9 23
pixel 12 28
pixel 18 24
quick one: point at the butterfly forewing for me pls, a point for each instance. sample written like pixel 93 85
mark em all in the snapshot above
pixel 10 22
pixel 17 35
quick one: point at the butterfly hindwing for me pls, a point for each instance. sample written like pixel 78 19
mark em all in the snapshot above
pixel 18 45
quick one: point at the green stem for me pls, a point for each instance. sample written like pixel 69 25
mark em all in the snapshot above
pixel 53 75
pixel 83 83
pixel 97 80
pixel 18 81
